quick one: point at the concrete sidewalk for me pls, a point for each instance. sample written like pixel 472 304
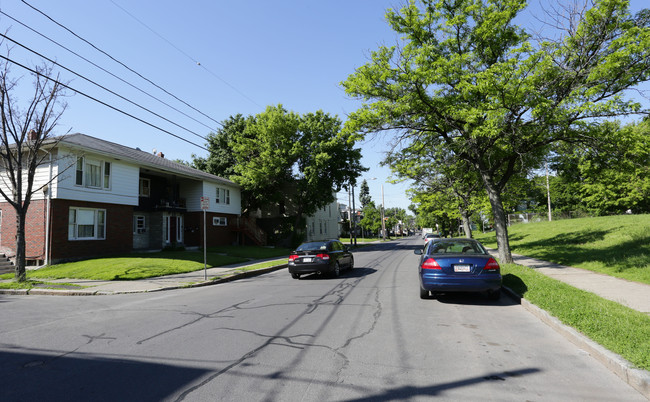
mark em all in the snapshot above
pixel 634 295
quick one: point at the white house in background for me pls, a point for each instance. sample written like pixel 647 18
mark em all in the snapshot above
pixel 107 198
pixel 324 224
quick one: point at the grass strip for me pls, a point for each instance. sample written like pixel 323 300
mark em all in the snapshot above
pixel 30 284
pixel 618 246
pixel 132 266
pixel 618 328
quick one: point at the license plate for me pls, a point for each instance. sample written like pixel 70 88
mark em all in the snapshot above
pixel 306 259
pixel 461 268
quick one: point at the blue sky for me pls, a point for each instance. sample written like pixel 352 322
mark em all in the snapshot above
pixel 252 53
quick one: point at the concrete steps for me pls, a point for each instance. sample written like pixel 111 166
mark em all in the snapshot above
pixel 6 266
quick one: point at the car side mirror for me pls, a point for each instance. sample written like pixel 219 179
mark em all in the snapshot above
pixel 417 251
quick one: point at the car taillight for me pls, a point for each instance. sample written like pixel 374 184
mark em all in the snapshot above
pixel 430 263
pixel 491 265
pixel 323 256
pixel 293 257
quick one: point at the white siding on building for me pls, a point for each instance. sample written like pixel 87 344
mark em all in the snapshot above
pixel 41 177
pixel 234 207
pixel 324 224
pixel 124 182
pixel 192 192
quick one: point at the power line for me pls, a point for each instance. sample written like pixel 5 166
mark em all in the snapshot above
pixel 102 103
pixel 184 53
pixel 102 87
pixel 107 72
pixel 119 62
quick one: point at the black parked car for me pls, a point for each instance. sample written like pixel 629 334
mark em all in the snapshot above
pixel 321 257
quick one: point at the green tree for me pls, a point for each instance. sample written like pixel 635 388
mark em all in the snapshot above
pixel 220 160
pixel 371 220
pixel 364 194
pixel 300 161
pixel 466 80
pixel 610 178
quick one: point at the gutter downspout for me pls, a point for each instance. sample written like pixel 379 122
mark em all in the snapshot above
pixel 47 216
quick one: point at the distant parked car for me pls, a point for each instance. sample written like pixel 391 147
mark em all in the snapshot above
pixel 458 265
pixel 321 257
pixel 430 236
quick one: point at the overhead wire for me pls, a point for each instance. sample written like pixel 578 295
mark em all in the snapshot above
pixel 102 102
pixel 184 53
pixel 108 72
pixel 117 61
pixel 102 87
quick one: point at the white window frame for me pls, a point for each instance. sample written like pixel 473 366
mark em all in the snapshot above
pixel 219 221
pixel 223 196
pixel 99 227
pixel 82 176
pixel 139 224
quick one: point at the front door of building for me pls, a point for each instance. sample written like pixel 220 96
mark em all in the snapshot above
pixel 173 229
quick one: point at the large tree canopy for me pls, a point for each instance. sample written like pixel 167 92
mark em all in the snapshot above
pixel 279 156
pixel 464 79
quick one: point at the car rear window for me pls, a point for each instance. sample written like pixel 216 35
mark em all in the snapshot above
pixel 317 245
pixel 456 247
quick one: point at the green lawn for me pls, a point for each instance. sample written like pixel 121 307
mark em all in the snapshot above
pixel 618 328
pixel 614 245
pixel 132 266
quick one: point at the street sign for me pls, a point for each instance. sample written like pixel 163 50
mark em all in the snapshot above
pixel 205 205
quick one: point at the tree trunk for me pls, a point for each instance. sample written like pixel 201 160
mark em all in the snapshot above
pixel 20 275
pixel 500 222
pixel 467 227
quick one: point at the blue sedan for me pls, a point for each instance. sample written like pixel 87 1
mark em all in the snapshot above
pixel 458 265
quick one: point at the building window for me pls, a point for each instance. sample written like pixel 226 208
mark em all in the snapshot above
pixel 320 225
pixel 86 224
pixel 107 175
pixel 220 221
pixel 223 196
pixel 139 224
pixel 79 178
pixel 93 173
pixel 145 187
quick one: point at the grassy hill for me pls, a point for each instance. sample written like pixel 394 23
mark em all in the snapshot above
pixel 613 245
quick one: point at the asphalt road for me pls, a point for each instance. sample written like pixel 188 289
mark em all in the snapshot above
pixel 365 336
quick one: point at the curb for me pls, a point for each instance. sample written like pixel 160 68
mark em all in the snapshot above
pixel 636 378
pixel 83 292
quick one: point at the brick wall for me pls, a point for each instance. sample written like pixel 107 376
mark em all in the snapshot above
pixel 34 230
pixel 119 231
pixel 216 235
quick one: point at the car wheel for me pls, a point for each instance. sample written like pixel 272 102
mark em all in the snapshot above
pixel 337 270
pixel 494 295
pixel 351 263
pixel 295 276
pixel 424 294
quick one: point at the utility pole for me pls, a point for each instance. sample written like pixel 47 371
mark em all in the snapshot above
pixel 350 213
pixel 548 195
pixel 354 217
pixel 383 222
